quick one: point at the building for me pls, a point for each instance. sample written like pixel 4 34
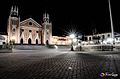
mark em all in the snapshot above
pixel 2 40
pixel 103 38
pixel 28 31
pixel 59 40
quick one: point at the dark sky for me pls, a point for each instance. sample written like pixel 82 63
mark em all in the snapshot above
pixel 80 16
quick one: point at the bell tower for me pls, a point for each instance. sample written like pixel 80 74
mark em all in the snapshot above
pixel 47 29
pixel 13 28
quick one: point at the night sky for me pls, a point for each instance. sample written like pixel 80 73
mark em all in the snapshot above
pixel 81 16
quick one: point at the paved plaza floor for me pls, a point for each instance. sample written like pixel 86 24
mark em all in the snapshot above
pixel 59 64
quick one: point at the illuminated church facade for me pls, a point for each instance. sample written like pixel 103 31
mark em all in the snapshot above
pixel 28 31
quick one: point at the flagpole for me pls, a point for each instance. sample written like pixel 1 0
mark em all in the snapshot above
pixel 112 29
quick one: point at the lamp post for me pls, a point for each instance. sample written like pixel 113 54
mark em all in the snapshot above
pixel 72 36
pixel 12 41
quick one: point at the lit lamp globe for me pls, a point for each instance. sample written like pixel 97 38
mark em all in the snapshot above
pixel 55 40
pixel 13 38
pixel 72 36
pixel 74 40
pixel 70 41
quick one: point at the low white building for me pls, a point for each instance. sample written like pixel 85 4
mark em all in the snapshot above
pixel 103 38
pixel 61 40
pixel 2 40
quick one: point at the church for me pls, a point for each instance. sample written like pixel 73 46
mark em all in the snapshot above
pixel 28 31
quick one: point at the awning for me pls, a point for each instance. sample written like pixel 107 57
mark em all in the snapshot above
pixel 2 38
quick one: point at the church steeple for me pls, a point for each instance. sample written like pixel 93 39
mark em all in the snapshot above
pixel 47 29
pixel 13 25
pixel 11 10
pixel 17 11
pixel 46 17
pixel 14 11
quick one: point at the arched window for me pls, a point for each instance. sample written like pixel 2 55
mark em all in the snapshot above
pixel 36 41
pixel 89 38
pixel 103 36
pixel 108 35
pixel 29 41
pixel 21 41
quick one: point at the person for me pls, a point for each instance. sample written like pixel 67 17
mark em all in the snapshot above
pixel 72 48
pixel 80 48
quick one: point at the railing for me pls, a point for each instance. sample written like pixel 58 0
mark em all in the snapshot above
pixel 95 47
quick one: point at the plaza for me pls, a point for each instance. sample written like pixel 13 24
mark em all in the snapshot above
pixel 59 43
pixel 61 63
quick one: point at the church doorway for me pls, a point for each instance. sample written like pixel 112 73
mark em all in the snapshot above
pixel 21 41
pixel 36 41
pixel 29 41
pixel 47 42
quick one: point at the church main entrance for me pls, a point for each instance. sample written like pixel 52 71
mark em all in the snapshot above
pixel 29 41
pixel 21 41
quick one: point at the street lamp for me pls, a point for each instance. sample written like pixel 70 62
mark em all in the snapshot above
pixel 72 36
pixel 74 40
pixel 13 39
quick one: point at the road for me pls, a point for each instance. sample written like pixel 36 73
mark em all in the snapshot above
pixel 59 64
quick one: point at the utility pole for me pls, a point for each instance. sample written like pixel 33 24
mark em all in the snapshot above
pixel 112 29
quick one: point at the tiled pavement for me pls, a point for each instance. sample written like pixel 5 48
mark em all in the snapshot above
pixel 57 64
